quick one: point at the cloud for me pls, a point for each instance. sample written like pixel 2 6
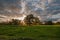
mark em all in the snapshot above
pixel 56 16
pixel 15 8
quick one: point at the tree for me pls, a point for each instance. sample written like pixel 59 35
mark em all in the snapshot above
pixel 48 23
pixel 15 22
pixel 31 20
pixel 57 23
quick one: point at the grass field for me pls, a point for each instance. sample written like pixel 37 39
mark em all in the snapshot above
pixel 43 32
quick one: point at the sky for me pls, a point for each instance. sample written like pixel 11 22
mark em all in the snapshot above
pixel 45 9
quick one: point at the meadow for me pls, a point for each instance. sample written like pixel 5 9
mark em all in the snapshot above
pixel 39 32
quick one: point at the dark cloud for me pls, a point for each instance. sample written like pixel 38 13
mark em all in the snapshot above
pixel 9 7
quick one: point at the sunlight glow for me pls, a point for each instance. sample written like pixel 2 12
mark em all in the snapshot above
pixel 21 18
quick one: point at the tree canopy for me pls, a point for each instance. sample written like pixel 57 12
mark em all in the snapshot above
pixel 31 20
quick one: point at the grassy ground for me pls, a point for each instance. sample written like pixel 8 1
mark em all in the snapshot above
pixel 43 32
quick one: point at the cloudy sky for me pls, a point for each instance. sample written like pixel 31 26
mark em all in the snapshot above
pixel 46 9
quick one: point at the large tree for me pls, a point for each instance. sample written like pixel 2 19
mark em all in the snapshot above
pixel 31 20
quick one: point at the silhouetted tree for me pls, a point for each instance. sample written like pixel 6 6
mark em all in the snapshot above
pixel 15 22
pixel 57 23
pixel 48 23
pixel 31 20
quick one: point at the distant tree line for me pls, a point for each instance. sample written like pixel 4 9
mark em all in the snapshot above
pixel 29 20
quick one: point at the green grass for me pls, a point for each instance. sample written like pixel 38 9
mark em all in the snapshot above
pixel 42 32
